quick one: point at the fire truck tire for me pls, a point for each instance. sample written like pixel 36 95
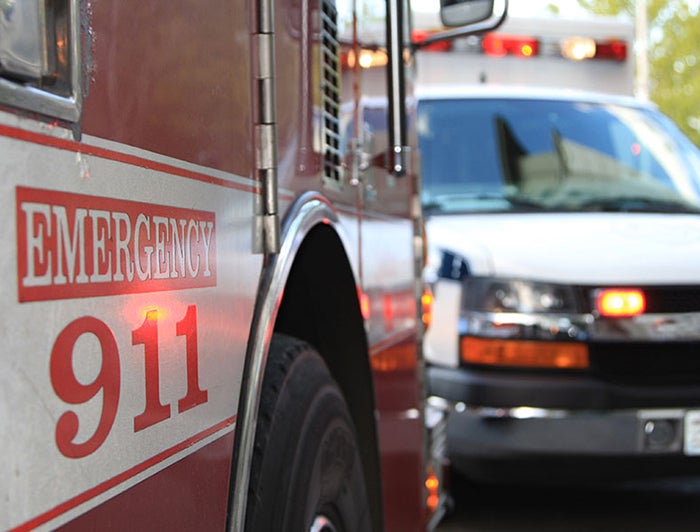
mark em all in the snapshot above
pixel 306 472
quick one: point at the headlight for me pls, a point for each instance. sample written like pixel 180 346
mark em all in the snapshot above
pixel 501 295
pixel 522 323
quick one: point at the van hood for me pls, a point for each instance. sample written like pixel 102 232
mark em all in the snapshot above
pixel 577 248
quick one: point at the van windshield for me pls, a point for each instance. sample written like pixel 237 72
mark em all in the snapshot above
pixel 551 155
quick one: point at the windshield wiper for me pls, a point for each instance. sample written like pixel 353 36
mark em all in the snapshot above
pixel 439 203
pixel 526 204
pixel 638 204
pixel 447 202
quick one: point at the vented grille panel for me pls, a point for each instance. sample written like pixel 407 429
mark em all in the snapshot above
pixel 330 91
pixel 650 363
pixel 660 299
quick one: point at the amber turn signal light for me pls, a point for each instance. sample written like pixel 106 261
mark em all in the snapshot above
pixel 524 353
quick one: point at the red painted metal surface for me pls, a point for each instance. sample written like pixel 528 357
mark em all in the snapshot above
pixel 191 494
pixel 401 434
pixel 172 77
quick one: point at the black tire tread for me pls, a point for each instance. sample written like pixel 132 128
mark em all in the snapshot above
pixel 295 380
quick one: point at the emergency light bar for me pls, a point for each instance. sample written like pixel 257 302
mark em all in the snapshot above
pixel 500 45
pixel 576 48
pixel 579 48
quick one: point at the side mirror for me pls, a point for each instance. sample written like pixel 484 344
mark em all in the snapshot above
pixel 467 17
pixel 462 12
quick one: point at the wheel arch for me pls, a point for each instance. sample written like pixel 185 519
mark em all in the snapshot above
pixel 309 291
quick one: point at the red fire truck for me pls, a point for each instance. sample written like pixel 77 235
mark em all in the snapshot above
pixel 211 267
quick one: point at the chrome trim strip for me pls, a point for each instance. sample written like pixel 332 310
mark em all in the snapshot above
pixel 39 101
pixel 308 211
pixel 518 412
pixel 527 326
pixel 583 327
pixel 528 412
pixel 649 327
pixel 397 88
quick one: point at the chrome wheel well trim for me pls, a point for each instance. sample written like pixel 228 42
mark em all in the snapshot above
pixel 306 212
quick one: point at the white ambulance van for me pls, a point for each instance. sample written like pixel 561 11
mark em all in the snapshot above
pixel 563 224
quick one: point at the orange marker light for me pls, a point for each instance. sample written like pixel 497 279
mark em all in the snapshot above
pixel 620 303
pixel 427 306
pixel 524 353
pixel 432 486
pixel 365 305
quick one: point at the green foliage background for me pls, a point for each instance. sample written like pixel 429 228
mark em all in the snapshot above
pixel 674 56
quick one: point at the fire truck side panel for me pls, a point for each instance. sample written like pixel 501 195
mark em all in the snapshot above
pixel 131 282
pixel 132 272
pixel 151 368
pixel 172 499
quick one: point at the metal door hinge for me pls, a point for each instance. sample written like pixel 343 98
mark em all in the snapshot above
pixel 267 213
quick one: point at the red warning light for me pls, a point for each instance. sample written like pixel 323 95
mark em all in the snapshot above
pixel 499 45
pixel 612 49
pixel 441 46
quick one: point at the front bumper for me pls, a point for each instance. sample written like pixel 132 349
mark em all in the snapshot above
pixel 497 432
pixel 554 391
pixel 497 445
pixel 494 415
